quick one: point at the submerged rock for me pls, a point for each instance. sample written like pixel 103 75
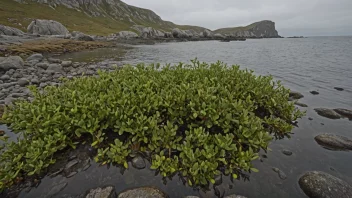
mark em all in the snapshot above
pixel 314 92
pixel 300 104
pixel 56 189
pixel 71 164
pixel 344 112
pixel 328 113
pixel 281 174
pixel 317 184
pixel 338 88
pixel 287 152
pixel 107 192
pixel 145 192
pixel 218 180
pixel 334 142
pixel 235 196
pixel 138 162
pixel 295 95
pixel 71 174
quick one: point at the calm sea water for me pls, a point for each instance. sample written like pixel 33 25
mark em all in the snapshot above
pixel 317 63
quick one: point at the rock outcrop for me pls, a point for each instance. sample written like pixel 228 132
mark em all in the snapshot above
pixel 124 34
pixel 207 33
pixel 177 33
pixel 10 31
pixel 317 184
pixel 148 32
pixel 46 27
pixel 261 29
pixel 80 36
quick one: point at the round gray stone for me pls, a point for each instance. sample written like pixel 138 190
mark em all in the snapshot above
pixel 38 57
pixel 23 82
pixel 317 184
pixel 5 77
pixel 66 63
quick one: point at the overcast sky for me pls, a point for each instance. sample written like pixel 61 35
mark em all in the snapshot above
pixel 292 17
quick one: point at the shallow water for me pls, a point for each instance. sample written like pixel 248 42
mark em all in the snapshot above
pixel 303 65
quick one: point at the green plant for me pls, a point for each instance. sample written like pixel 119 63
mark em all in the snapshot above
pixel 199 120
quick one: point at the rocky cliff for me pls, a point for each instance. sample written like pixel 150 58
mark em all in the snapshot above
pixel 100 17
pixel 106 17
pixel 261 29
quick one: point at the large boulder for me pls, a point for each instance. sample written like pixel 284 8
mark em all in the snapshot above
pixel 219 36
pixel 334 142
pixel 207 33
pixel 328 113
pixel 47 27
pixel 168 35
pixel 79 36
pixel 177 33
pixel 36 57
pixel 145 192
pixel 191 33
pixel 148 32
pixel 10 31
pixel 317 184
pixel 11 62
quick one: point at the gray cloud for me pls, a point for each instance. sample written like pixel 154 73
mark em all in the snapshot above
pixel 292 17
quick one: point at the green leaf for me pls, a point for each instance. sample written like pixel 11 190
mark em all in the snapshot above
pixel 125 164
pixel 234 176
pixel 254 170
pixel 94 143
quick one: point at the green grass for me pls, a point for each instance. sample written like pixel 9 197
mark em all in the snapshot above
pixel 76 20
pixel 231 30
pixel 72 19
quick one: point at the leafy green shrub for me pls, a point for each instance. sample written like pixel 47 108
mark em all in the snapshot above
pixel 198 120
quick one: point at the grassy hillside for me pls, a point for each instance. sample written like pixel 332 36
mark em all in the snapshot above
pixel 13 14
pixel 231 30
